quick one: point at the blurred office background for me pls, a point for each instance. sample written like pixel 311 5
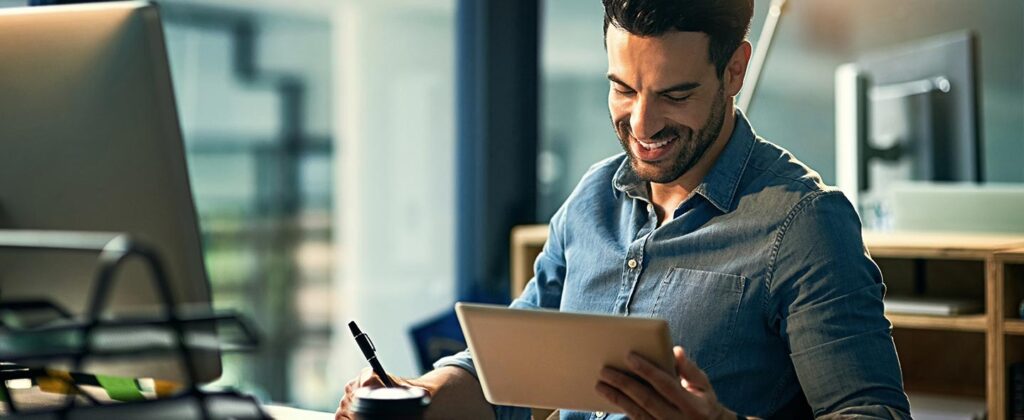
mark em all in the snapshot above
pixel 323 144
pixel 794 106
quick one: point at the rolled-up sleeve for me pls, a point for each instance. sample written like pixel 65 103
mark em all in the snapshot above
pixel 826 294
pixel 544 290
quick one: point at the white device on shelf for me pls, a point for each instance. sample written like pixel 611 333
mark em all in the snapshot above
pixel 923 305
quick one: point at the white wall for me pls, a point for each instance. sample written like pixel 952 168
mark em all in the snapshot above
pixel 395 207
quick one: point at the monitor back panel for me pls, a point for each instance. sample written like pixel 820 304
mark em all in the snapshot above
pixel 89 140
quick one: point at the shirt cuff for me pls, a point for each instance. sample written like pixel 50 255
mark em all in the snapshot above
pixel 462 360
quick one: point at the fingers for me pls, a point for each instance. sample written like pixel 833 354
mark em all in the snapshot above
pixel 655 393
pixel 344 411
pixel 694 377
pixel 370 379
pixel 664 383
pixel 632 410
pixel 366 378
pixel 639 393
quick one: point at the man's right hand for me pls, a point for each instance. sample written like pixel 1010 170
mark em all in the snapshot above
pixel 366 378
pixel 454 394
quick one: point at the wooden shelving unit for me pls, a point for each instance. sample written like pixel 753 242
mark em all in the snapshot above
pixel 965 355
pixel 527 241
pixel 1007 337
pixel 969 323
pixel 960 265
pixel 952 246
pixel 1013 327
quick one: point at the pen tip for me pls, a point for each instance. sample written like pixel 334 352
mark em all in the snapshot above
pixel 354 328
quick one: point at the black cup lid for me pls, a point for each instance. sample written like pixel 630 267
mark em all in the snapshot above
pixel 399 400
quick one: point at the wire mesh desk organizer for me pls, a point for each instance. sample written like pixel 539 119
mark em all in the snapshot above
pixel 29 340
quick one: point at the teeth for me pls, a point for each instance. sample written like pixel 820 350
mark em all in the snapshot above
pixel 652 146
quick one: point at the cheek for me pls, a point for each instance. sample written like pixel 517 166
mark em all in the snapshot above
pixel 618 106
pixel 691 115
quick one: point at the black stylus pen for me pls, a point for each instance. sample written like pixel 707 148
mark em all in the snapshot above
pixel 369 353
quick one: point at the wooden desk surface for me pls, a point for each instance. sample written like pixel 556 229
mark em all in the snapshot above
pixel 287 413
pixel 32 399
pixel 939 244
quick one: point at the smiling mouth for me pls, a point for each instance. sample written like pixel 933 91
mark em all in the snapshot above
pixel 657 145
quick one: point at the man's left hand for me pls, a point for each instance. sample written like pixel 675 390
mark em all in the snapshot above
pixel 659 394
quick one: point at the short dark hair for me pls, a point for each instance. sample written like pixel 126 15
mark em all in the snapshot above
pixel 726 22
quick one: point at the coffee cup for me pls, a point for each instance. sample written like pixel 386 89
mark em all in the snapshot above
pixel 397 403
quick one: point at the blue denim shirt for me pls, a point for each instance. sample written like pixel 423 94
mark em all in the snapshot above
pixel 761 273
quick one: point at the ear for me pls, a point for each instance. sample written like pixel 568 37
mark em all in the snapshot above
pixel 736 70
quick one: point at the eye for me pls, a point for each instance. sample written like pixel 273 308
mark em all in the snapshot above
pixel 622 90
pixel 677 98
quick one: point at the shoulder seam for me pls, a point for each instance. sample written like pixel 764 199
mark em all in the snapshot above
pixel 810 185
pixel 797 209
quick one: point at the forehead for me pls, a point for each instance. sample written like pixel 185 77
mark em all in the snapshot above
pixel 673 55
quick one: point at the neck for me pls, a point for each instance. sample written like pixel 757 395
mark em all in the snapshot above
pixel 666 197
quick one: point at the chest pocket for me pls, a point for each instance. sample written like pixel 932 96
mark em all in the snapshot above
pixel 701 308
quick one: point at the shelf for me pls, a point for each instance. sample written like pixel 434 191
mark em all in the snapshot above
pixel 1014 326
pixel 971 323
pixel 531 235
pixel 943 362
pixel 1013 256
pixel 527 242
pixel 938 244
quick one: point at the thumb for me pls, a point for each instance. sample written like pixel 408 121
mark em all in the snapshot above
pixel 369 379
pixel 692 376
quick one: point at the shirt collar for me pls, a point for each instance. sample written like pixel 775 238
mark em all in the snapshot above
pixel 719 186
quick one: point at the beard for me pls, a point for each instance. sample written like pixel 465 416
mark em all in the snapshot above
pixel 691 144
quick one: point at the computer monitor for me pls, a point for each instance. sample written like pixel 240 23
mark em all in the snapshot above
pixel 908 114
pixel 90 141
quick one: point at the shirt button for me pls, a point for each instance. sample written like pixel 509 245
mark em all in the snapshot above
pixel 631 263
pixel 650 207
pixel 600 414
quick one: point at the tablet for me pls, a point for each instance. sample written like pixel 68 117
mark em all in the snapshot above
pixel 551 359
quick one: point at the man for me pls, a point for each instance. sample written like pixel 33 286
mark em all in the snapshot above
pixel 758 267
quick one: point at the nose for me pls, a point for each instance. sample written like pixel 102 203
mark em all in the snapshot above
pixel 645 119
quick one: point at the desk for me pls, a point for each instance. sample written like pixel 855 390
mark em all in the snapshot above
pixel 288 413
pixel 33 399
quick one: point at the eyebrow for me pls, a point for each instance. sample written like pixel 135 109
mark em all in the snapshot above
pixel 678 88
pixel 615 79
